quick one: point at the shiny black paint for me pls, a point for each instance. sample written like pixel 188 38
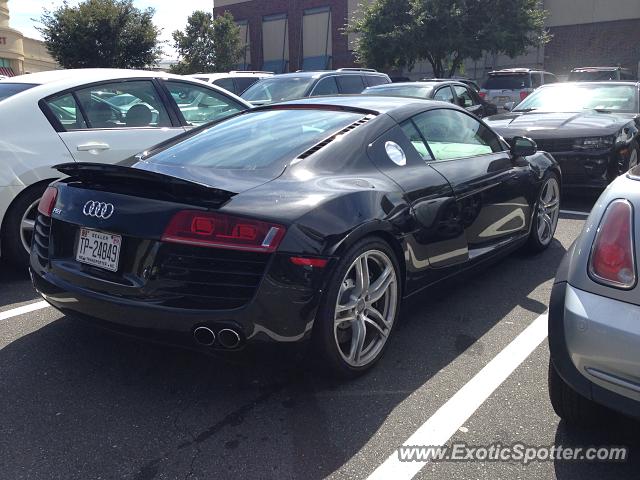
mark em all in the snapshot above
pixel 430 213
pixel 593 168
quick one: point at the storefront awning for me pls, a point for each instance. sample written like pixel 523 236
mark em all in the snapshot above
pixel 7 72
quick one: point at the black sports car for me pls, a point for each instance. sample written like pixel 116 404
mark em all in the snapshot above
pixel 309 219
pixel 591 129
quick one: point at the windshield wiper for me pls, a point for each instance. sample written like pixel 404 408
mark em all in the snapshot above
pixel 599 110
pixel 531 109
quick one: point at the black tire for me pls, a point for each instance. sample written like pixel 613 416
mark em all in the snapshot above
pixel 13 250
pixel 570 406
pixel 534 243
pixel 326 350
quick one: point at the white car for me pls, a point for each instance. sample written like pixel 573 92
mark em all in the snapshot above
pixel 69 115
pixel 234 81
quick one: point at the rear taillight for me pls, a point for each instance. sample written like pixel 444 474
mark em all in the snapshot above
pixel 482 95
pixel 309 262
pixel 208 229
pixel 48 201
pixel 612 260
pixel 523 95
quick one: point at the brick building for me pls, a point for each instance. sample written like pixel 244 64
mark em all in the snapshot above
pixel 287 35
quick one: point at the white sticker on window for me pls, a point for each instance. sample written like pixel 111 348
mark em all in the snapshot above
pixel 395 153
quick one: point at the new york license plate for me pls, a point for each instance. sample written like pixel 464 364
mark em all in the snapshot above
pixel 99 249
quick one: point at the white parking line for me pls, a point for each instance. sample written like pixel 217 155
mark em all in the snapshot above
pixel 575 212
pixel 443 424
pixel 32 307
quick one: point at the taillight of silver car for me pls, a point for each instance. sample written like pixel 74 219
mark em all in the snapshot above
pixel 612 260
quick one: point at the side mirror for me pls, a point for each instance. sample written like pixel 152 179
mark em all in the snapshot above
pixel 523 147
pixel 509 106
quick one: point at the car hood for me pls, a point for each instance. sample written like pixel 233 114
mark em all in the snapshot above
pixel 558 124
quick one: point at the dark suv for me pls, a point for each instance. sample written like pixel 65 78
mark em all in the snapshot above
pixel 289 86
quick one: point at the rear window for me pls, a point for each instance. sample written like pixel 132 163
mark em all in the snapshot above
pixel 395 90
pixel 9 89
pixel 278 89
pixel 261 140
pixel 508 82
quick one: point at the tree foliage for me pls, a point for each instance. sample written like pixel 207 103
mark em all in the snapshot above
pixel 101 33
pixel 208 44
pixel 397 33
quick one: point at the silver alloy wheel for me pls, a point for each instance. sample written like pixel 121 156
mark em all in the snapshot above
pixel 365 308
pixel 548 210
pixel 28 224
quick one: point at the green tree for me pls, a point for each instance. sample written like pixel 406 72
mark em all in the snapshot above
pixel 445 32
pixel 101 33
pixel 207 44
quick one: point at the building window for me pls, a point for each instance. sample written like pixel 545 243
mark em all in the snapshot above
pixel 316 39
pixel 275 43
pixel 5 63
pixel 245 58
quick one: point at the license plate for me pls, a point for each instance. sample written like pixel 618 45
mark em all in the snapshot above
pixel 503 100
pixel 99 249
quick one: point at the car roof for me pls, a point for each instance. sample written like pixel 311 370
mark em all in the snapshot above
pixel 419 84
pixel 405 106
pixel 507 71
pixel 86 75
pixel 597 69
pixel 590 84
pixel 215 76
pixel 324 73
pixel 54 81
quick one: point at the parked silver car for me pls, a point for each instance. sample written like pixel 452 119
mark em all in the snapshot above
pixel 513 85
pixel 594 314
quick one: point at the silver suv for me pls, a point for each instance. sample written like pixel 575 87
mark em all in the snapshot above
pixel 513 85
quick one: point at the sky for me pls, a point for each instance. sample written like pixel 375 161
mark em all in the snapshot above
pixel 170 14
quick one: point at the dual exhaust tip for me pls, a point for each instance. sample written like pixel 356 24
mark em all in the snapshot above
pixel 227 337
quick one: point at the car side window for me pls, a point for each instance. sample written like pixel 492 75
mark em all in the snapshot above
pixel 199 104
pixel 416 140
pixel 550 78
pixel 464 96
pixel 66 110
pixel 445 94
pixel 326 86
pixel 226 83
pixel 373 80
pixel 350 84
pixel 536 80
pixel 242 83
pixel 124 104
pixel 454 134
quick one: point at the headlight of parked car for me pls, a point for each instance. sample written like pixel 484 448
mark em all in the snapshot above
pixel 594 143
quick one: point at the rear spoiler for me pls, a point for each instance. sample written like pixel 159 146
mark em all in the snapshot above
pixel 122 178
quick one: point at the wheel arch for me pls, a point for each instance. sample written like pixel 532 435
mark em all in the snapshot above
pixel 379 229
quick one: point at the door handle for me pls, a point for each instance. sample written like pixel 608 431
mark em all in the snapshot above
pixel 87 147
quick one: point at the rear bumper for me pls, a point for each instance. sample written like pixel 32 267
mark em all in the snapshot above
pixel 594 343
pixel 280 312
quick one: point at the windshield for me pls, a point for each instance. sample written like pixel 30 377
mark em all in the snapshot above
pixel 420 91
pixel 9 89
pixel 277 89
pixel 508 82
pixel 256 140
pixel 575 98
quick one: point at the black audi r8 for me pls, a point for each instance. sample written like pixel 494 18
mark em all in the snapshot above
pixel 305 220
pixel 591 128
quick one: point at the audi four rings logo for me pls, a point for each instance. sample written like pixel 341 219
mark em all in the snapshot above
pixel 98 209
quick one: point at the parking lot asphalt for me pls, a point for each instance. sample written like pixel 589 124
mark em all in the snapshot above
pixel 80 403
